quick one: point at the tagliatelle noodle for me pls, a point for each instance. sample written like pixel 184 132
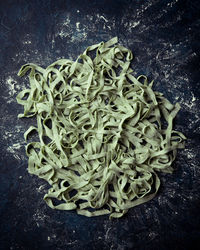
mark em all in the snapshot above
pixel 101 132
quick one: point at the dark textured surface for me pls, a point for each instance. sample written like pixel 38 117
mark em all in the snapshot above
pixel 163 36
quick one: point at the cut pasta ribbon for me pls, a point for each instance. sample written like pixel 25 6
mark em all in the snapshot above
pixel 101 133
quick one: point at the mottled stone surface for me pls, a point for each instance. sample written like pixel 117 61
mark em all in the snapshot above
pixel 163 36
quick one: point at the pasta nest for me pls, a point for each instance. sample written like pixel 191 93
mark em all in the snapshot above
pixel 103 133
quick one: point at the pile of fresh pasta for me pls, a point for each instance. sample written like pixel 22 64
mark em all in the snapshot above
pixel 102 133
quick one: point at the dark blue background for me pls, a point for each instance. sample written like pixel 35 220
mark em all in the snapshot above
pixel 164 37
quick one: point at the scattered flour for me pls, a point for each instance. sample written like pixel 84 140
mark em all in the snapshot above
pixel 39 218
pixel 72 242
pixel 67 20
pixel 11 85
pixel 13 150
pixel 14 146
pixel 27 42
pixel 172 3
pixel 189 154
pixel 62 34
pixel 190 103
pixel 13 133
pixel 41 188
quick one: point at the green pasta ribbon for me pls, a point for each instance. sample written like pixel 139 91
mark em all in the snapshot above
pixel 101 132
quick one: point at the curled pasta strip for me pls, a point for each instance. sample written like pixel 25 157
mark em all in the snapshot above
pixel 101 132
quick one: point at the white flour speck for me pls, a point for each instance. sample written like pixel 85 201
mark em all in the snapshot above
pixel 102 17
pixel 16 145
pixel 189 154
pixel 26 42
pixel 78 26
pixel 72 242
pixel 193 99
pixel 89 17
pixel 107 232
pixel 53 43
pixel 134 24
pixel 41 188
